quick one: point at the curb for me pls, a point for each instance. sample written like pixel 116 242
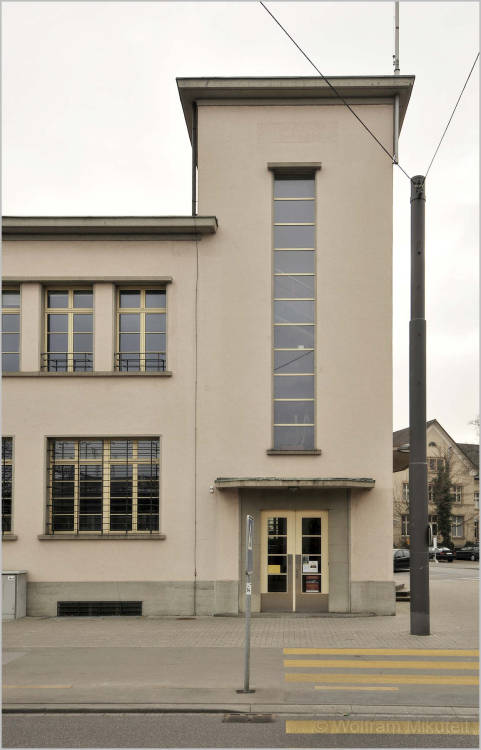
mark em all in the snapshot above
pixel 351 710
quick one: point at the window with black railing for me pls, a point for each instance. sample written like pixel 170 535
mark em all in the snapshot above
pixel 103 486
pixel 141 330
pixel 68 330
pixel 7 484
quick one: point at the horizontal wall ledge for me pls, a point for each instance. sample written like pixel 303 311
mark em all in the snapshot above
pixel 295 167
pixel 100 374
pixel 9 537
pixel 87 279
pixel 277 452
pixel 152 225
pixel 101 537
pixel 278 482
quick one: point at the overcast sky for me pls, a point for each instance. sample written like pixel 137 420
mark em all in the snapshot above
pixel 92 125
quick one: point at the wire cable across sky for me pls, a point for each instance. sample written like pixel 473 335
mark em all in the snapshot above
pixel 452 115
pixel 391 156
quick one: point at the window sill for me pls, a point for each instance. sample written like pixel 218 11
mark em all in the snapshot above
pixel 275 452
pixel 94 374
pixel 9 537
pixel 101 537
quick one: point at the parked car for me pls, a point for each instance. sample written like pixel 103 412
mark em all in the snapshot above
pixel 468 553
pixel 443 554
pixel 401 559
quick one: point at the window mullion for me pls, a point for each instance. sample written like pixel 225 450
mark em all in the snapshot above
pixel 142 335
pixel 135 464
pixel 76 503
pixel 105 487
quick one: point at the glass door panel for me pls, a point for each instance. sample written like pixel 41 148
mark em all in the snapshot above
pixel 277 529
pixel 311 561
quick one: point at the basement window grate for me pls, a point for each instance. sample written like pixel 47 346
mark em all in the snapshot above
pixel 99 609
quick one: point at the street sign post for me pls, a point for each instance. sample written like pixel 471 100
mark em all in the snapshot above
pixel 249 568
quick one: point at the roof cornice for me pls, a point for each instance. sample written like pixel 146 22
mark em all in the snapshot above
pixel 313 88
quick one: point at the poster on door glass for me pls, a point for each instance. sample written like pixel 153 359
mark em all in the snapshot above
pixel 309 566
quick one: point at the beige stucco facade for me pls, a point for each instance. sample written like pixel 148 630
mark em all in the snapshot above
pixel 212 408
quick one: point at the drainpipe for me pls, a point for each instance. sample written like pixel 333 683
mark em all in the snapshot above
pixel 194 159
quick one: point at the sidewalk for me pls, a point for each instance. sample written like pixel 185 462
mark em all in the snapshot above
pixel 181 664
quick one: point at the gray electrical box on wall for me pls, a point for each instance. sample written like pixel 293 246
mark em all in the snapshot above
pixel 14 594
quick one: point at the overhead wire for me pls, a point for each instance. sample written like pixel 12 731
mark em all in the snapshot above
pixel 452 115
pixel 391 156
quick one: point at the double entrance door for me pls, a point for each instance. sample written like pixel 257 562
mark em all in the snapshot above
pixel 294 561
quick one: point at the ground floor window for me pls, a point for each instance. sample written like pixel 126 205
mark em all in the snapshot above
pixel 7 476
pixel 476 531
pixel 457 527
pixel 433 520
pixel 103 486
pixel 405 525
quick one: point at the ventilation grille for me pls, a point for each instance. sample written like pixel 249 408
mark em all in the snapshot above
pixel 99 609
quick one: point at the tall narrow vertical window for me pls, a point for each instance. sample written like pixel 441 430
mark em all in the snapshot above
pixel 294 312
pixel 68 330
pixel 10 330
pixel 141 330
pixel 7 483
pixel 103 486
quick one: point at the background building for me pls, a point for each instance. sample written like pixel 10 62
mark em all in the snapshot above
pixel 464 461
pixel 166 376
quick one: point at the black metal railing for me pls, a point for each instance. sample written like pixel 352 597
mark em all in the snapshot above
pixel 140 362
pixel 67 361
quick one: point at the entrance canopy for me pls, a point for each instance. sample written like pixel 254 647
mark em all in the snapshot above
pixel 279 482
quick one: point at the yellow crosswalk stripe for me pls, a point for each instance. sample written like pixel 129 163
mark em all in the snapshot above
pixel 377 664
pixel 381 727
pixel 354 687
pixel 385 651
pixel 378 679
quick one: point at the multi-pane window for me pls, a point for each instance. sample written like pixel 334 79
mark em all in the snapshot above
pixel 430 493
pixel 10 330
pixel 433 520
pixel 68 330
pixel 141 330
pixel 476 530
pixel 103 486
pixel 405 525
pixel 7 482
pixel 457 493
pixel 406 492
pixel 294 312
pixel 435 463
pixel 476 499
pixel 457 527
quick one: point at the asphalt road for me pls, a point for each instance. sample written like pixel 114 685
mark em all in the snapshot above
pixel 212 730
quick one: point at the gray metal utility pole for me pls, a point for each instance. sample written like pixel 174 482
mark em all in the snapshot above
pixel 418 482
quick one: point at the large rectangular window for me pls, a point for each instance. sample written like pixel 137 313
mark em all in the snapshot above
pixel 457 527
pixel 10 330
pixel 7 484
pixel 141 330
pixel 68 330
pixel 103 486
pixel 294 312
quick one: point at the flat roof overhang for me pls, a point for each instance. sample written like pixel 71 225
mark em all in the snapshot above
pixel 311 89
pixel 161 226
pixel 362 483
